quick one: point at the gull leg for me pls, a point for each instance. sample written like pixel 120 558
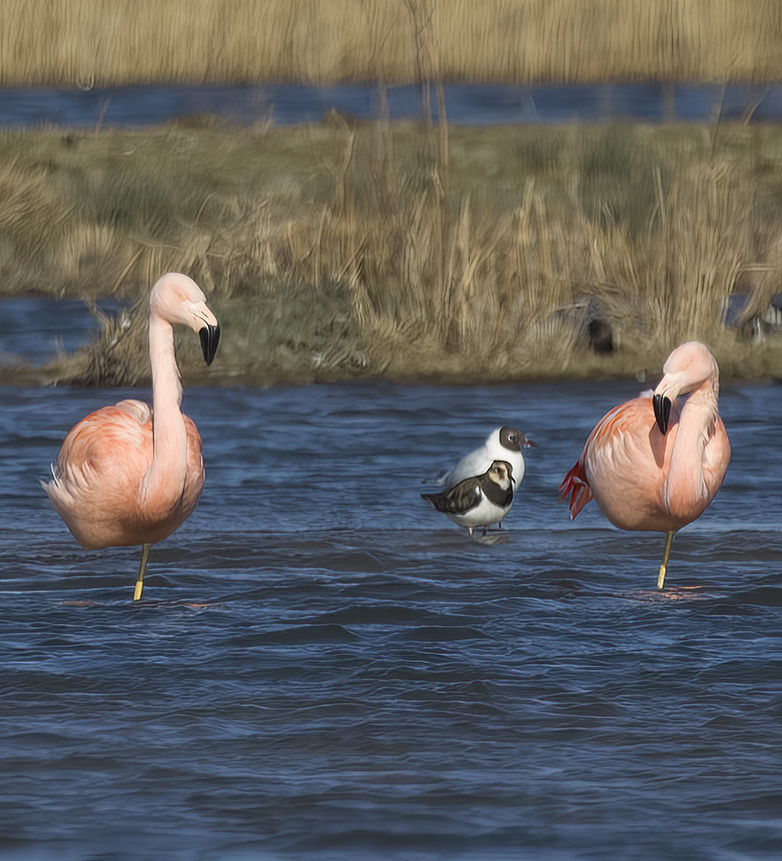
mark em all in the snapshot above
pixel 141 570
pixel 666 555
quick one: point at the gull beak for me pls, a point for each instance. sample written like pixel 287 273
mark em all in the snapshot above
pixel 210 337
pixel 528 443
pixel 662 412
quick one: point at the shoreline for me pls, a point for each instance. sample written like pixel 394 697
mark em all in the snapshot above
pixel 349 250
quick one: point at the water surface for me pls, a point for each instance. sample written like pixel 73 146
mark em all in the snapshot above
pixel 468 104
pixel 325 668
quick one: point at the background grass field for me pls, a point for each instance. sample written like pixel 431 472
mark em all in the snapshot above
pixel 345 249
pixel 106 42
pixel 407 250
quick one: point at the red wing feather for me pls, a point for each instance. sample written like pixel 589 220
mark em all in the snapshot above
pixel 575 483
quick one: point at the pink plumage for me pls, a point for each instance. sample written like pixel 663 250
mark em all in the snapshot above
pixel 97 488
pixel 656 462
pixel 127 474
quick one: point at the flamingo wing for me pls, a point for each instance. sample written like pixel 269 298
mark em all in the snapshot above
pixel 576 485
pixel 620 444
pixel 97 482
pixel 113 444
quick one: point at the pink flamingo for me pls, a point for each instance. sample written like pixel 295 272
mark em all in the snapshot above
pixel 656 463
pixel 129 474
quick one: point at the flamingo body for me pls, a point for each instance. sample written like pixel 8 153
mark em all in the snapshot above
pixel 98 494
pixel 656 462
pixel 127 474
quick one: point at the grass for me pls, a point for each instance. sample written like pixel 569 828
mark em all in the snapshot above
pixel 349 250
pixel 110 42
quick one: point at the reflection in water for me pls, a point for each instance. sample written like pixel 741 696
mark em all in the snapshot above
pixel 325 669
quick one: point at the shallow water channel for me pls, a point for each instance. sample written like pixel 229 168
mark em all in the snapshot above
pixel 325 668
pixel 468 104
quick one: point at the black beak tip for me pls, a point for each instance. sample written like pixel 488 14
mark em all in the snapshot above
pixel 662 412
pixel 210 338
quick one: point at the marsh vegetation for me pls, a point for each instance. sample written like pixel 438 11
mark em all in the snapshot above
pixel 348 250
pixel 109 42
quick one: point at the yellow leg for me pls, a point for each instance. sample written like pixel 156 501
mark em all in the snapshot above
pixel 666 555
pixel 141 570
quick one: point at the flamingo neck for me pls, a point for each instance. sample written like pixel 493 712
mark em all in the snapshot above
pixel 166 476
pixel 686 488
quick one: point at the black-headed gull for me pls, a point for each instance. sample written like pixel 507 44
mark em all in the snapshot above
pixel 503 443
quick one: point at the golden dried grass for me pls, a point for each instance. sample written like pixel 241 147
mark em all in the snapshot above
pixel 109 42
pixel 348 250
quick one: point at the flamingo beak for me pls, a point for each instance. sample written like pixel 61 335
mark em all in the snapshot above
pixel 662 412
pixel 210 337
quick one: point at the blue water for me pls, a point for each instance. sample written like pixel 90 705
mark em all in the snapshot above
pixel 34 329
pixel 471 104
pixel 325 668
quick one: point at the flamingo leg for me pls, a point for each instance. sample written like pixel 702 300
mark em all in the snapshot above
pixel 141 570
pixel 666 556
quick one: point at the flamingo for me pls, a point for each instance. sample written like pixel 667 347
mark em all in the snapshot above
pixel 127 474
pixel 656 462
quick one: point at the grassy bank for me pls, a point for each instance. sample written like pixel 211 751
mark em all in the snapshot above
pixel 107 42
pixel 346 250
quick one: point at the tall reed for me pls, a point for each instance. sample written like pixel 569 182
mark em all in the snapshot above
pixel 109 42
pixel 356 249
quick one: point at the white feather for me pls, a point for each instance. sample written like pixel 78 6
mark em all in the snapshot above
pixel 479 460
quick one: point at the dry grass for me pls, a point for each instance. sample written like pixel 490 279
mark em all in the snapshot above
pixel 348 250
pixel 107 42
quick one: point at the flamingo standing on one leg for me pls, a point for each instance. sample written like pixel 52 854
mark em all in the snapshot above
pixel 129 474
pixel 656 463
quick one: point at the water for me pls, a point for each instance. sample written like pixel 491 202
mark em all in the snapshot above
pixel 35 329
pixel 324 668
pixel 471 104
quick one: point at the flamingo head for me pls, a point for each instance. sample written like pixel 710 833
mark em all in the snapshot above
pixel 690 366
pixel 178 299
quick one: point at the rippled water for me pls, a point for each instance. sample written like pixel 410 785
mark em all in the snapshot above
pixel 325 668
